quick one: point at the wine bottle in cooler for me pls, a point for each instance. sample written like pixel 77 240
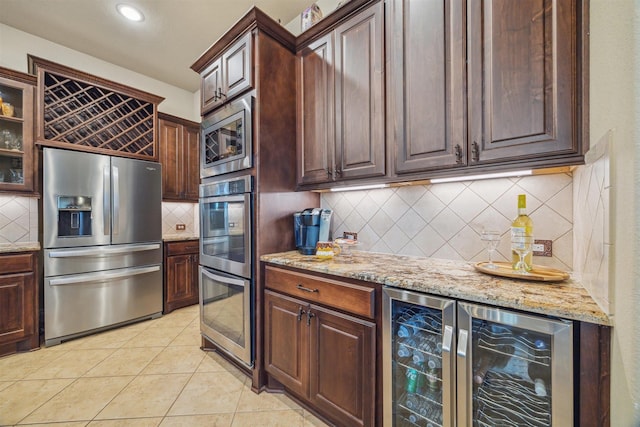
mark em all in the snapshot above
pixel 522 226
pixel 541 377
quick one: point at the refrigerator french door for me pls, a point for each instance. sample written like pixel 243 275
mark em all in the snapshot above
pixel 449 363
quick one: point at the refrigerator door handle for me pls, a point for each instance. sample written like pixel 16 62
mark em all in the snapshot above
pixel 116 200
pixel 102 276
pixel 106 200
pixel 103 251
pixel 463 336
pixel 446 338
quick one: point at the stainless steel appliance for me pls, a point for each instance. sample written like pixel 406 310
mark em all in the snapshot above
pixel 226 265
pixel 226 138
pixel 102 242
pixel 450 363
pixel 311 226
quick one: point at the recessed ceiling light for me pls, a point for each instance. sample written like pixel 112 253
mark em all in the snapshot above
pixel 130 12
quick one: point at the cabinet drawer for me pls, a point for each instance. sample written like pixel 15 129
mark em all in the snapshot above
pixel 344 296
pixel 183 247
pixel 16 263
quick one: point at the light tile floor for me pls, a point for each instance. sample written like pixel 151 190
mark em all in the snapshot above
pixel 151 373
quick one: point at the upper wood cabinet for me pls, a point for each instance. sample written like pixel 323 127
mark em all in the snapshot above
pixel 521 85
pixel 340 82
pixel 16 131
pixel 425 84
pixel 179 156
pixel 523 80
pixel 228 75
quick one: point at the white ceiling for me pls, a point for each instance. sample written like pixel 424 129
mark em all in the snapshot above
pixel 172 36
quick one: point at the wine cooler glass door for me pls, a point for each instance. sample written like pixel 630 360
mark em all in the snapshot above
pixel 418 337
pixel 516 369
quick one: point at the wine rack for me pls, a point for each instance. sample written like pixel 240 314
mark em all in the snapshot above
pixel 87 113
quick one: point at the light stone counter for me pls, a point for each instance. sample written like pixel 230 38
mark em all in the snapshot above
pixel 178 237
pixel 19 247
pixel 456 279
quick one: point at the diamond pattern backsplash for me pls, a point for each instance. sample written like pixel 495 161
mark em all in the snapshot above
pixel 180 213
pixel 592 245
pixel 18 219
pixel 446 220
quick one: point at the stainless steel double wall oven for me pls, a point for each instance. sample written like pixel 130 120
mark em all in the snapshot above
pixel 226 229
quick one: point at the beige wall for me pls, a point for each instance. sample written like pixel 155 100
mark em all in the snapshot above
pixel 15 45
pixel 614 106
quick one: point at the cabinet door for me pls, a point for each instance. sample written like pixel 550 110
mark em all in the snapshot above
pixel 211 86
pixel 17 311
pixel 359 103
pixel 237 72
pixel 425 87
pixel 316 138
pixel 521 88
pixel 180 274
pixel 286 341
pixel 342 367
pixel 171 159
pixel 16 136
pixel 191 162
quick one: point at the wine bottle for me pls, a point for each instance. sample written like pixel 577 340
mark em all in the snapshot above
pixel 522 226
pixel 541 377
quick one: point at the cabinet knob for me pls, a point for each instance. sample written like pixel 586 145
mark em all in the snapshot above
pixel 309 316
pixel 338 171
pixel 329 172
pixel 300 313
pixel 475 152
pixel 458 154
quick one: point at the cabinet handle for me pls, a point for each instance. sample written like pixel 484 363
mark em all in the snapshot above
pixel 303 288
pixel 309 316
pixel 329 172
pixel 462 343
pixel 338 172
pixel 300 313
pixel 220 94
pixel 458 154
pixel 446 339
pixel 475 152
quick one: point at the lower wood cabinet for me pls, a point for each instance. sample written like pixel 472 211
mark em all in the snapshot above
pixel 180 274
pixel 18 303
pixel 323 356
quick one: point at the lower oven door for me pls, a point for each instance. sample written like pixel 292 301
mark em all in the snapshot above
pixel 225 312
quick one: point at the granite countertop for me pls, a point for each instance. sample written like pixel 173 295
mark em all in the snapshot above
pixel 19 247
pixel 456 279
pixel 178 237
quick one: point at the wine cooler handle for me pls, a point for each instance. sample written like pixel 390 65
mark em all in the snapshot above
pixel 463 336
pixel 446 339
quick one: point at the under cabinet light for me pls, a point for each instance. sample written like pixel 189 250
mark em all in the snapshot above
pixel 130 12
pixel 360 187
pixel 484 176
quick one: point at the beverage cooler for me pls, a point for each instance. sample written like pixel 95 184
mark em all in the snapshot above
pixel 451 363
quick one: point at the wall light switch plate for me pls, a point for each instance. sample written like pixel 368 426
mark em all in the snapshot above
pixel 542 248
pixel 181 227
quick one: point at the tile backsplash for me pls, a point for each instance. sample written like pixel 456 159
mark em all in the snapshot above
pixel 18 219
pixel 180 213
pixel 592 245
pixel 445 220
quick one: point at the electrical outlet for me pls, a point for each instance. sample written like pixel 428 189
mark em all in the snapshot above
pixel 542 248
pixel 181 227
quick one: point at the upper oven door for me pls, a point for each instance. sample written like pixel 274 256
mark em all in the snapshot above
pixel 225 229
pixel 226 139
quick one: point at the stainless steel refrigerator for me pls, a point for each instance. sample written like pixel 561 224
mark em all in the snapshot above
pixel 449 363
pixel 102 233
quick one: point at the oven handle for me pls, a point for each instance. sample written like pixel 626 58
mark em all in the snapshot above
pixel 223 199
pixel 225 279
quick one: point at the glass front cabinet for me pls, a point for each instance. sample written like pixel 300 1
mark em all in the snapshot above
pixel 453 363
pixel 16 131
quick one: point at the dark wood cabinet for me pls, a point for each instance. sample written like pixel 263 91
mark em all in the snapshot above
pixel 180 274
pixel 17 168
pixel 228 75
pixel 18 303
pixel 321 354
pixel 425 84
pixel 179 156
pixel 340 96
pixel 522 68
pixel 520 78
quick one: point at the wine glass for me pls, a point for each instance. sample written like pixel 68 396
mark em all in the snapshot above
pixel 522 245
pixel 491 239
